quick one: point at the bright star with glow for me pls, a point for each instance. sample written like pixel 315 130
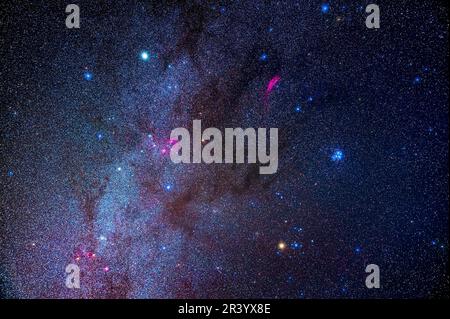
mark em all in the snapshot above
pixel 281 245
pixel 145 56
pixel 325 8
pixel 88 75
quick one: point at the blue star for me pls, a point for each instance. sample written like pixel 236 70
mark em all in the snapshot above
pixel 263 57
pixel 417 80
pixel 298 108
pixel 10 173
pixel 296 245
pixel 168 187
pixel 145 56
pixel 337 156
pixel 99 136
pixel 88 75
pixel 325 8
pixel 358 250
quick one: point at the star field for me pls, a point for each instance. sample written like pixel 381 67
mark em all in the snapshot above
pixel 86 175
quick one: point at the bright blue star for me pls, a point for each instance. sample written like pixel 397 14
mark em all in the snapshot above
pixel 10 173
pixel 88 76
pixel 145 56
pixel 168 187
pixel 358 250
pixel 296 245
pixel 298 108
pixel 325 8
pixel 417 79
pixel 263 57
pixel 337 156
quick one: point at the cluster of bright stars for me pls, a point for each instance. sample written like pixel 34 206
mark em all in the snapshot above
pixel 337 156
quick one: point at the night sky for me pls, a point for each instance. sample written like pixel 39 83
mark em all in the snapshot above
pixel 86 177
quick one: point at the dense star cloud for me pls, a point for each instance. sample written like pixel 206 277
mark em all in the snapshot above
pixel 87 177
